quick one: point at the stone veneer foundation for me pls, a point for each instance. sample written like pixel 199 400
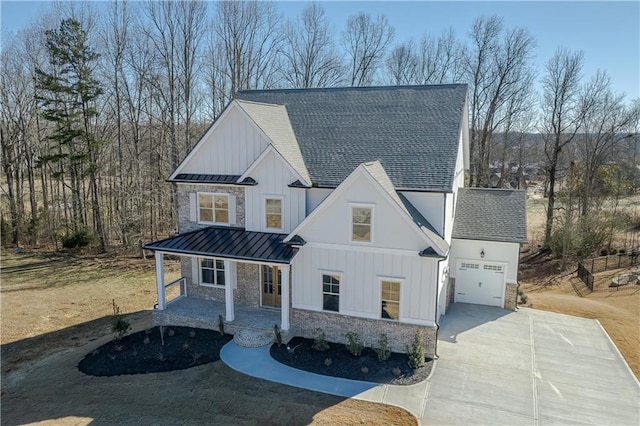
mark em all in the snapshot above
pixel 309 324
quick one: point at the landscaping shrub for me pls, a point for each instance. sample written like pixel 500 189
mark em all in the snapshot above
pixel 354 344
pixel 278 333
pixel 320 343
pixel 221 325
pixel 416 352
pixel 382 349
pixel 120 326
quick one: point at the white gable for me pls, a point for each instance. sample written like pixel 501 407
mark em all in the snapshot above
pixel 229 147
pixel 330 222
pixel 273 175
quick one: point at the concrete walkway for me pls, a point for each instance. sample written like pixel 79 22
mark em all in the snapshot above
pixel 496 367
pixel 257 362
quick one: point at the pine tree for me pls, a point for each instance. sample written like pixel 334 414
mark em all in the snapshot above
pixel 67 92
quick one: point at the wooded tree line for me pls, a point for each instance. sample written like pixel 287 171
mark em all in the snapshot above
pixel 99 108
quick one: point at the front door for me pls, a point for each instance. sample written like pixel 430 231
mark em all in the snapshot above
pixel 271 288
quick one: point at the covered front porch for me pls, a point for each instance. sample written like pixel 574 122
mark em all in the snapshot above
pixel 201 313
pixel 229 273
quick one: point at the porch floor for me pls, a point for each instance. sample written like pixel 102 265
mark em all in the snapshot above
pixel 195 312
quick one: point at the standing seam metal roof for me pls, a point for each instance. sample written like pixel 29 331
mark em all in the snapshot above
pixel 229 243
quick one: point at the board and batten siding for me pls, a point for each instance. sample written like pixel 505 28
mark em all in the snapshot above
pixel 493 252
pixel 360 292
pixel 229 148
pixel 273 177
pixel 390 229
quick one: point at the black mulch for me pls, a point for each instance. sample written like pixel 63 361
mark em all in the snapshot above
pixel 143 352
pixel 347 366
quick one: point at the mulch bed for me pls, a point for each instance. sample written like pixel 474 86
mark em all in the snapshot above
pixel 343 364
pixel 144 352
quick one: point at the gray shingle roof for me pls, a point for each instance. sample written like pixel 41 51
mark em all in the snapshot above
pixel 491 215
pixel 412 130
pixel 274 122
pixel 229 243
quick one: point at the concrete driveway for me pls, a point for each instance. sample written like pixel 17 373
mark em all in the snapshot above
pixel 528 367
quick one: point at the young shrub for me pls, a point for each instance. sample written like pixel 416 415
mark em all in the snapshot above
pixel 278 334
pixel 364 369
pixel 171 332
pixel 354 344
pixel 120 326
pixel 524 298
pixel 185 346
pixel 328 362
pixel 192 333
pixel 382 349
pixel 416 352
pixel 320 343
pixel 396 371
pixel 221 325
pixel 146 340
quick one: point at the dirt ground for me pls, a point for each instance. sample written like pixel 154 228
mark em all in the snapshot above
pixel 57 308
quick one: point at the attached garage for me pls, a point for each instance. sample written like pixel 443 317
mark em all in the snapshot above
pixel 489 227
pixel 480 283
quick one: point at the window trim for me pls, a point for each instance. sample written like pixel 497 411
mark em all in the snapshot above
pixel 264 215
pixel 380 300
pixel 340 276
pixel 215 269
pixel 213 207
pixel 366 206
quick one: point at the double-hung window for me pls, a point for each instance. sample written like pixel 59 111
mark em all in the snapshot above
pixel 273 208
pixel 331 292
pixel 213 208
pixel 361 223
pixel 390 299
pixel 212 272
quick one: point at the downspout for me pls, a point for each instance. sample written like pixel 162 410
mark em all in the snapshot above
pixel 435 348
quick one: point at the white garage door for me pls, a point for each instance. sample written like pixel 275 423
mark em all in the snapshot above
pixel 480 283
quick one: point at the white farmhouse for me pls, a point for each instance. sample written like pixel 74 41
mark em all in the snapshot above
pixel 338 210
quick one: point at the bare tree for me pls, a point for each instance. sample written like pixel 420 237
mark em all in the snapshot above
pixel 250 35
pixel 496 66
pixel 311 58
pixel 561 118
pixel 607 122
pixel 402 64
pixel 365 40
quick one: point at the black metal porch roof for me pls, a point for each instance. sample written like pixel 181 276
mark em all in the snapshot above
pixel 229 243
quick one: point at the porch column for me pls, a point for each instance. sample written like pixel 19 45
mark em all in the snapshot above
pixel 284 321
pixel 160 279
pixel 229 276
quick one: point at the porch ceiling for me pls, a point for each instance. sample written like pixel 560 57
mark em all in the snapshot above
pixel 229 243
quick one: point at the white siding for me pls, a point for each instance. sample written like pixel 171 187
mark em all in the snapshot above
pixel 458 182
pixel 315 196
pixel 493 252
pixel 431 205
pixel 390 229
pixel 273 177
pixel 229 148
pixel 359 288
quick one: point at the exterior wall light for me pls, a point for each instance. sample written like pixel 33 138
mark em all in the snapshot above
pixel 482 254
